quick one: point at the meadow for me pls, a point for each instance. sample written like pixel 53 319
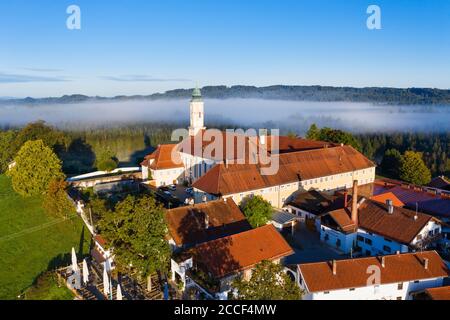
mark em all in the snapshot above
pixel 32 242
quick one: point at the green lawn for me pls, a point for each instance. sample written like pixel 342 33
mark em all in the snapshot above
pixel 31 242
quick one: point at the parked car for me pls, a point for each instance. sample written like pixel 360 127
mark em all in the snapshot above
pixel 172 187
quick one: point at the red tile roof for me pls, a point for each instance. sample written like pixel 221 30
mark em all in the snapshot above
pixel 293 167
pixel 240 252
pixel 342 218
pixel 352 273
pixel 187 225
pixel 163 157
pixel 400 226
pixel 441 293
pixel 315 202
pixel 243 145
pixel 100 240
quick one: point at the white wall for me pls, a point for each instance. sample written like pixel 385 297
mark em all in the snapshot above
pixel 346 240
pixel 278 196
pixel 167 177
pixel 430 226
pixel 381 292
pixel 372 244
pixel 378 243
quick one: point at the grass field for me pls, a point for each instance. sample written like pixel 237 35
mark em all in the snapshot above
pixel 48 287
pixel 32 242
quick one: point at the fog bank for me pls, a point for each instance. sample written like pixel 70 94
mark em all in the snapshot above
pixel 286 115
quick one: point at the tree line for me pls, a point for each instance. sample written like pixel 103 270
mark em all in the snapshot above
pixel 411 157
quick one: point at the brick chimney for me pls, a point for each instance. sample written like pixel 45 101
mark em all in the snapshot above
pixel 355 202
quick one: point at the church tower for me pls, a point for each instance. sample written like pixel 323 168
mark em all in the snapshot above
pixel 197 113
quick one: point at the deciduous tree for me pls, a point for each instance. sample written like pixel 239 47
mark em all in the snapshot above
pixel 56 201
pixel 268 282
pixel 136 229
pixel 257 211
pixel 36 165
pixel 7 149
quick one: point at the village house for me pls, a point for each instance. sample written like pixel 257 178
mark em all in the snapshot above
pixel 192 225
pixel 210 267
pixel 372 228
pixel 161 167
pixel 390 277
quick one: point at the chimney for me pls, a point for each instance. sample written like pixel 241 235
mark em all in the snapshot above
pixel 355 202
pixel 383 261
pixel 334 266
pixel 390 206
pixel 426 262
pixel 262 136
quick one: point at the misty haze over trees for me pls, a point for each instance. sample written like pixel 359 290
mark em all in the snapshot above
pixel 94 132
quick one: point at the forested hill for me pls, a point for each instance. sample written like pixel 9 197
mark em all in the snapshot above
pixel 412 96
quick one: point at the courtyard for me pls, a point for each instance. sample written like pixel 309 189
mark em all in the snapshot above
pixel 308 247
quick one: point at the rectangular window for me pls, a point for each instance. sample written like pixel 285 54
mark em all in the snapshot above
pixel 400 286
pixel 387 249
pixel 351 289
pixel 360 238
pixel 368 241
pixel 326 292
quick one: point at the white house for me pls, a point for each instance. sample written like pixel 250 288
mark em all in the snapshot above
pixel 210 267
pixel 163 166
pixel 374 228
pixel 391 277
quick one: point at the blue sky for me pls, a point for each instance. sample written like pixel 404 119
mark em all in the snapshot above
pixel 141 47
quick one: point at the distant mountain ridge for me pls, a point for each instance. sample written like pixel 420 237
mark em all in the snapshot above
pixel 413 96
